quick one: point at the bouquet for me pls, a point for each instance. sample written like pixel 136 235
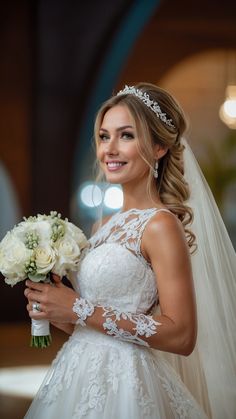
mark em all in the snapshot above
pixel 36 247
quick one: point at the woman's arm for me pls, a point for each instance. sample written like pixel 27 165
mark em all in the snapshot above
pixel 68 328
pixel 164 244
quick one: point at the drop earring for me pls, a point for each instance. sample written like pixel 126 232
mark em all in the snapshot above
pixel 155 171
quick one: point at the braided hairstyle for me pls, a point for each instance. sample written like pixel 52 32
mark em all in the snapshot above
pixel 171 186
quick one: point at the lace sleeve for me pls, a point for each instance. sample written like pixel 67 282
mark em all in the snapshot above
pixel 137 326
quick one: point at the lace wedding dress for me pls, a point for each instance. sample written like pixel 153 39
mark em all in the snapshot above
pixel 96 376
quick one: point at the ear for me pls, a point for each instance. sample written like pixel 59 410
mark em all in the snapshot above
pixel 159 151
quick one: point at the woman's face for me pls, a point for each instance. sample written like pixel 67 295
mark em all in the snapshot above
pixel 117 148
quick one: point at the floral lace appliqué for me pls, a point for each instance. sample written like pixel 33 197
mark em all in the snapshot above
pixel 62 371
pixel 103 379
pixel 144 326
pixel 181 405
pixel 126 229
pixel 94 395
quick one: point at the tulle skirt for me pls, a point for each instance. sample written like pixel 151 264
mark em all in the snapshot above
pixel 95 376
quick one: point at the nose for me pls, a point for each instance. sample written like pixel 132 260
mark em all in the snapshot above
pixel 112 147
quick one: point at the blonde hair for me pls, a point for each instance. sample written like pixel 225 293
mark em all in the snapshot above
pixel 171 185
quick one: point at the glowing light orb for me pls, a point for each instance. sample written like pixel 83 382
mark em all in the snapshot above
pixel 113 197
pixel 91 195
pixel 230 107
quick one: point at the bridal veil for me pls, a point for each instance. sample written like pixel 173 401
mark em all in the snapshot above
pixel 210 371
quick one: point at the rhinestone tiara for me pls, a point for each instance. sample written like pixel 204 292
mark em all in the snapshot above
pixel 145 98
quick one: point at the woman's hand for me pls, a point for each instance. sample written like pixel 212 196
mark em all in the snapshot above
pixel 55 301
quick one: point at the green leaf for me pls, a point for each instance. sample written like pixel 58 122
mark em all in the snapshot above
pixel 37 277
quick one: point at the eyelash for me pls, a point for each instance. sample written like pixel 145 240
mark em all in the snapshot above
pixel 103 137
pixel 128 135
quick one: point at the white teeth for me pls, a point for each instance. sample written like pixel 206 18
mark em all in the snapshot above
pixel 115 164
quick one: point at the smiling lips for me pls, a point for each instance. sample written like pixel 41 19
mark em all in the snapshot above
pixel 115 165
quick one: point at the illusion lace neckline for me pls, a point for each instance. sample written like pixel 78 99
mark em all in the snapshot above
pixel 140 210
pixel 125 214
pixel 126 229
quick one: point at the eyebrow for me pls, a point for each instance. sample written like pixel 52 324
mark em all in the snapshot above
pixel 118 129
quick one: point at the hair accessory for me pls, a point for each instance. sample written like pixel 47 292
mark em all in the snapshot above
pixel 155 171
pixel 145 98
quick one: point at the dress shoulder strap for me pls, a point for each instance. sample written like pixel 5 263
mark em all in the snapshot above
pixel 144 219
pixel 144 222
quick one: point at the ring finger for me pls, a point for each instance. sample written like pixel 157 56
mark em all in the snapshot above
pixel 36 307
pixel 31 307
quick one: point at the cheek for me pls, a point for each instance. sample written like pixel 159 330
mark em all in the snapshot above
pixel 135 156
pixel 132 152
pixel 99 153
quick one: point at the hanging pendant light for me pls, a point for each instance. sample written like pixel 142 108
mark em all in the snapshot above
pixel 227 110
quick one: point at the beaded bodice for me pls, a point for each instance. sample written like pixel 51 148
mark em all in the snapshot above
pixel 113 272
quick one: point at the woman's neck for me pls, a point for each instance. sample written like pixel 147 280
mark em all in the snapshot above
pixel 138 198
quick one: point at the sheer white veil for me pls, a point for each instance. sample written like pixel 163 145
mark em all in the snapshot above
pixel 210 371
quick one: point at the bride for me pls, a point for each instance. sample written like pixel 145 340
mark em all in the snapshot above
pixel 151 314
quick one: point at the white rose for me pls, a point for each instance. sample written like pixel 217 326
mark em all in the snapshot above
pixel 77 234
pixel 13 256
pixel 13 280
pixel 68 253
pixel 44 231
pixel 41 228
pixel 20 230
pixel 45 258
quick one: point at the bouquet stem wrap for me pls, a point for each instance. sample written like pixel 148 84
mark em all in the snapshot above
pixel 40 333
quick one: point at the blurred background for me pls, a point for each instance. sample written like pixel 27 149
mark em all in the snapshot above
pixel 59 61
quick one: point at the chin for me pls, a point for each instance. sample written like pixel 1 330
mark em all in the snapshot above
pixel 112 180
